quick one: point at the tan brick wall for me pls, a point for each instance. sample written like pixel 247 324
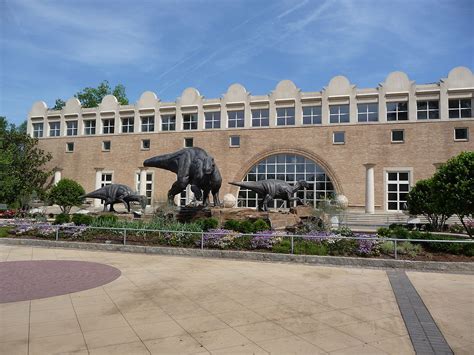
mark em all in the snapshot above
pixel 426 143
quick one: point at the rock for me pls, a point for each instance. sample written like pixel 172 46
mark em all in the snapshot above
pixel 282 221
pixel 341 201
pixel 303 211
pixel 229 201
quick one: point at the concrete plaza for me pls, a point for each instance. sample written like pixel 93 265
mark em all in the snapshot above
pixel 167 304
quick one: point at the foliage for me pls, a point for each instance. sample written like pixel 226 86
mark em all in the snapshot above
pixel 59 104
pixel 82 219
pixel 208 223
pixel 409 249
pixel 22 164
pixel 457 179
pixel 62 218
pixel 387 248
pixel 246 227
pixel 8 214
pixel 428 199
pixel 260 225
pixel 232 224
pixel 66 193
pixel 106 220
pixel 4 231
pixel 92 97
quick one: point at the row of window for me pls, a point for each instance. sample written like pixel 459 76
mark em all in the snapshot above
pixel 285 116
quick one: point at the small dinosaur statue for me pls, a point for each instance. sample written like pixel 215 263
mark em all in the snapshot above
pixel 116 193
pixel 193 166
pixel 272 189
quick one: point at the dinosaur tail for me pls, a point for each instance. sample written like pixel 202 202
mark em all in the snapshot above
pixel 251 185
pixel 99 193
pixel 164 161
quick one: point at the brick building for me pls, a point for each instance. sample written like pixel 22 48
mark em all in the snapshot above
pixel 370 145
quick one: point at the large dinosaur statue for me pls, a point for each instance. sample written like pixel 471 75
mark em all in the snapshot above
pixel 272 189
pixel 193 166
pixel 115 193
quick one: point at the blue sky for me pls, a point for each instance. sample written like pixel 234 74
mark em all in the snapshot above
pixel 52 49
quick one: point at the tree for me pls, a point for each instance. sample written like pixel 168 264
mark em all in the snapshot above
pixel 427 198
pixel 457 179
pixel 66 193
pixel 22 163
pixel 92 97
pixel 59 104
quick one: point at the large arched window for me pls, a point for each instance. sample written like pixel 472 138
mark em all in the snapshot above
pixel 290 168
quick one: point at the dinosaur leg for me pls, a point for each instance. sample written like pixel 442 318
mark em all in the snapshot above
pixel 215 198
pixel 265 202
pixel 197 192
pixel 205 198
pixel 176 188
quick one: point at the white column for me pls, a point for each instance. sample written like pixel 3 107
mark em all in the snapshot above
pixel 142 182
pixel 57 176
pixel 98 181
pixel 369 188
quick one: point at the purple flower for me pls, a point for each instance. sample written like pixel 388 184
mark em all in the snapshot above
pixel 265 239
pixel 367 246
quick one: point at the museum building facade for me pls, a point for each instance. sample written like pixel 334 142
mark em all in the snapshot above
pixel 370 145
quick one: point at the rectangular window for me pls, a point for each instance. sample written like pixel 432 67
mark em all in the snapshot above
pixel 368 112
pixel 145 144
pixel 398 135
pixel 127 124
pixel 168 123
pixel 149 188
pixel 397 111
pixel 38 130
pixel 89 127
pixel 108 126
pixel 461 134
pixel 212 120
pixel 69 147
pixel 190 121
pixel 285 116
pixel 234 141
pixel 312 115
pixel 427 110
pixel 260 118
pixel 339 138
pixel 106 179
pixel 71 128
pixel 148 124
pixel 236 119
pixel 460 108
pixel 54 129
pixel 106 146
pixel 339 114
pixel 398 186
pixel 188 142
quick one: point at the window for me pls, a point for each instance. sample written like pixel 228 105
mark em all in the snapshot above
pixel 106 179
pixel 54 129
pixel 290 168
pixel 148 124
pixel 38 130
pixel 236 119
pixel 69 147
pixel 339 138
pixel 71 128
pixel 368 112
pixel 188 142
pixel 312 115
pixel 212 119
pixel 461 134
pixel 427 110
pixel 260 118
pixel 148 186
pixel 398 186
pixel 460 108
pixel 106 146
pixel 234 141
pixel 398 135
pixel 397 111
pixel 145 144
pixel 168 123
pixel 190 121
pixel 89 127
pixel 108 126
pixel 127 124
pixel 285 116
pixel 338 113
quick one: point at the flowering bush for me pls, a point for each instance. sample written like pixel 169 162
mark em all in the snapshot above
pixel 218 238
pixel 368 247
pixel 7 214
pixel 265 239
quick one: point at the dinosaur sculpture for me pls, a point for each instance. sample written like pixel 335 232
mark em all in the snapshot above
pixel 272 189
pixel 192 166
pixel 115 193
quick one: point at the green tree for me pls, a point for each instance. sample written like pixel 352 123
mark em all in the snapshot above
pixel 426 198
pixel 92 97
pixel 59 104
pixel 66 194
pixel 22 165
pixel 457 179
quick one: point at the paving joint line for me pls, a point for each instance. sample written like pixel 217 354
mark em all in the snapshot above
pixel 425 335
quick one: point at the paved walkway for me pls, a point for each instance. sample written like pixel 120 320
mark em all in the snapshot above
pixel 167 304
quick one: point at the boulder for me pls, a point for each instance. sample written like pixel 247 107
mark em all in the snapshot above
pixel 303 211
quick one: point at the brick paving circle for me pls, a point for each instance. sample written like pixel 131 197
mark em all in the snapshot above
pixel 29 280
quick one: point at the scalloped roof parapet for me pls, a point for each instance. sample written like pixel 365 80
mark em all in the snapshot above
pixel 147 99
pixel 39 108
pixel 285 89
pixel 236 93
pixel 109 103
pixel 73 105
pixel 190 96
pixel 460 77
pixel 339 85
pixel 397 81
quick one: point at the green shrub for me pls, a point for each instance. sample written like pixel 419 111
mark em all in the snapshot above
pixel 232 224
pixel 260 225
pixel 106 220
pixel 342 247
pixel 61 218
pixel 283 247
pixel 246 227
pixel 345 232
pixel 409 249
pixel 208 223
pixel 386 248
pixel 308 247
pixel 82 219
pixel 383 232
pixel 4 232
pixel 242 242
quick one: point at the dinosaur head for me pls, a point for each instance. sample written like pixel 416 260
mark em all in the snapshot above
pixel 303 184
pixel 208 165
